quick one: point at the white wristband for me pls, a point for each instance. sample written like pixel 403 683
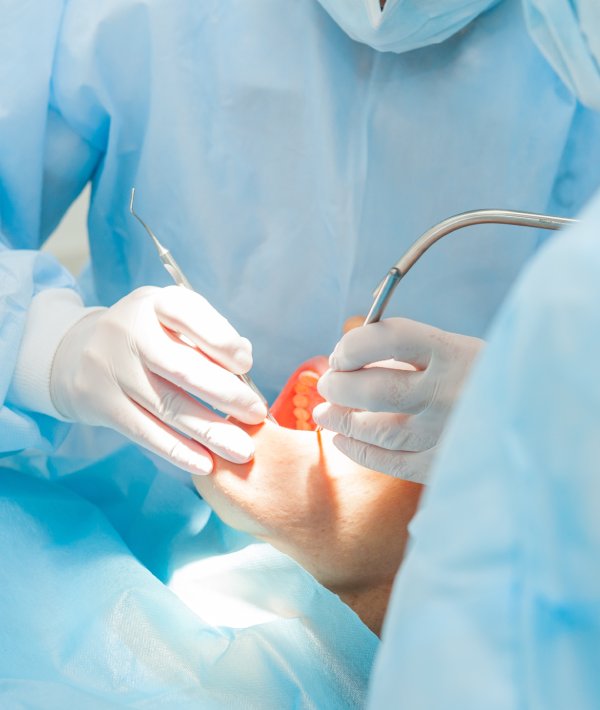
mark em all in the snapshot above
pixel 52 313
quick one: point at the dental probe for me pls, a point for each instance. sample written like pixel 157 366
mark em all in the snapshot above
pixel 180 279
pixel 384 291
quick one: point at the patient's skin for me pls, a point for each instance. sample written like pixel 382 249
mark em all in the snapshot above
pixel 344 523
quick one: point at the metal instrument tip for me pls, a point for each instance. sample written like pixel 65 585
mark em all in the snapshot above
pixel 131 201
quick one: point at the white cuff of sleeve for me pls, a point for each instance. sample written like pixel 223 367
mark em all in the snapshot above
pixel 51 314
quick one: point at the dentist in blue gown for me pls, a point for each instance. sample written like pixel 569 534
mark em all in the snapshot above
pixel 286 158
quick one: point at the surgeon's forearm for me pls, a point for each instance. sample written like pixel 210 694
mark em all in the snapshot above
pixel 345 524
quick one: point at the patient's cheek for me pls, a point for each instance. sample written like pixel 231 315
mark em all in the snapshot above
pixel 294 406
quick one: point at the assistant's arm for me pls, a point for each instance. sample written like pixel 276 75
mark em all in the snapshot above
pixel 44 164
pixel 120 367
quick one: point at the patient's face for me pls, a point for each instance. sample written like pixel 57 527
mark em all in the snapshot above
pixel 344 523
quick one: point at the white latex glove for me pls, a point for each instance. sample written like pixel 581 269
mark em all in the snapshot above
pixel 389 415
pixel 124 367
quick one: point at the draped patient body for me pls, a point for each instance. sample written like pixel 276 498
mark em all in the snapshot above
pixel 345 524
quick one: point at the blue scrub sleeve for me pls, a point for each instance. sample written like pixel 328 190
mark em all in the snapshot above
pixel 44 164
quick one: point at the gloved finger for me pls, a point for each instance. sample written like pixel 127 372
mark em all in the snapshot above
pixel 392 431
pixel 393 338
pixel 187 312
pixel 190 370
pixel 399 464
pixel 143 428
pixel 178 410
pixel 378 389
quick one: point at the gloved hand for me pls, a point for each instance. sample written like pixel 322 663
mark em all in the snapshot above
pixel 387 418
pixel 125 367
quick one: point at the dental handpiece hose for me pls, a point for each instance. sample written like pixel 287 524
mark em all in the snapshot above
pixel 180 279
pixel 386 288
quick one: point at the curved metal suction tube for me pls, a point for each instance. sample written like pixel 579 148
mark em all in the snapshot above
pixel 384 291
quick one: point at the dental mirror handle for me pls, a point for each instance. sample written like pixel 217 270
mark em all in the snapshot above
pixel 180 279
pixel 174 271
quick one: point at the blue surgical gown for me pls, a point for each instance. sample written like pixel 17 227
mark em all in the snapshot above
pixel 497 604
pixel 286 166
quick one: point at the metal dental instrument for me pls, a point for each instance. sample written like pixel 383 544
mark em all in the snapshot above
pixel 179 277
pixel 384 291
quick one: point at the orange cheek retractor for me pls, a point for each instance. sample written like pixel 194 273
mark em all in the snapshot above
pixel 293 408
